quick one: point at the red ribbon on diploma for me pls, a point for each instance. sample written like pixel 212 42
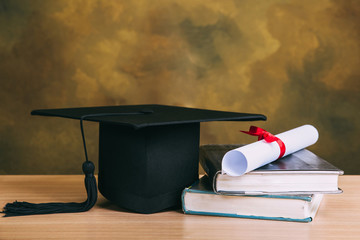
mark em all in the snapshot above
pixel 268 137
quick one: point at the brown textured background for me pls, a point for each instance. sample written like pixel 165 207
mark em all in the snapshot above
pixel 295 61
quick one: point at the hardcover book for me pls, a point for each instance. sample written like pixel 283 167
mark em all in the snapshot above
pixel 200 199
pixel 298 173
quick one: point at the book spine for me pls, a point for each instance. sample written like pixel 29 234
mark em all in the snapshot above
pixel 183 207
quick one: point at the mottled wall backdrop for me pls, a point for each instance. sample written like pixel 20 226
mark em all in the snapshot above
pixel 295 61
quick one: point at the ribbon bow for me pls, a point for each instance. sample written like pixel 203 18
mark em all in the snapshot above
pixel 268 137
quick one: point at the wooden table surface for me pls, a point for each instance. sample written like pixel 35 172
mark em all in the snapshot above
pixel 337 218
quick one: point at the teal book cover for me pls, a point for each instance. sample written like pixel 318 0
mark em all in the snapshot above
pixel 199 199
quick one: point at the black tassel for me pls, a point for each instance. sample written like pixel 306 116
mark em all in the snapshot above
pixel 24 208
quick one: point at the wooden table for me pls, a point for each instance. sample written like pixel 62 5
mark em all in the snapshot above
pixel 337 218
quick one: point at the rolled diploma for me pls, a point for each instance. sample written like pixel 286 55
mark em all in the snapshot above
pixel 249 157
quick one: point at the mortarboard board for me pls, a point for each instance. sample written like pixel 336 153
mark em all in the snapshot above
pixel 147 155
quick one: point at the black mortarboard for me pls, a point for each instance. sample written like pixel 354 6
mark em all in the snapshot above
pixel 147 153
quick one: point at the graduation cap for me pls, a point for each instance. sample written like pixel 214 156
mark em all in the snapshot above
pixel 147 155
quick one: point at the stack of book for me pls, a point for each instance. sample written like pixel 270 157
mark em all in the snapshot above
pixel 289 189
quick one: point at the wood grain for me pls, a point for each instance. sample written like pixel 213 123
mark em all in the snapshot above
pixel 337 218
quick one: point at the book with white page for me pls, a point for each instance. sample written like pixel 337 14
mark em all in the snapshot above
pixel 298 173
pixel 199 199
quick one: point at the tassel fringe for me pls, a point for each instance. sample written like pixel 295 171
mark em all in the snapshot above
pixel 24 208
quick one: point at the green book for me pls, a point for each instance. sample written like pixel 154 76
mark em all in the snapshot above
pixel 200 199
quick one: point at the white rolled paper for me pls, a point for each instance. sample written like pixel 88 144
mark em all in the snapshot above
pixel 249 157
